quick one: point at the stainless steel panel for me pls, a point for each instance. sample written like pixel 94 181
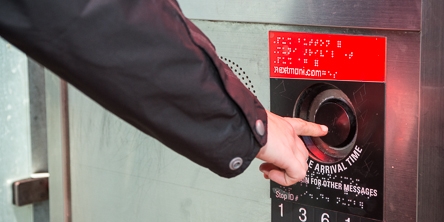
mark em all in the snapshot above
pixel 380 14
pixel 247 43
pixel 431 135
pixel 125 175
pixel 402 123
pixel 120 174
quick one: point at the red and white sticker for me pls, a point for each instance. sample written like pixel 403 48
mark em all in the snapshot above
pixel 298 55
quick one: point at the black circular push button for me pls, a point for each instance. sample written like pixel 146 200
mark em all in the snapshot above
pixel 326 104
pixel 334 116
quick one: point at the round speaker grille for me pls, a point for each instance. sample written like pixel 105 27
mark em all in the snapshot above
pixel 240 73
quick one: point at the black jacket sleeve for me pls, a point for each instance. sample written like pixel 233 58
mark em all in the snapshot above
pixel 148 64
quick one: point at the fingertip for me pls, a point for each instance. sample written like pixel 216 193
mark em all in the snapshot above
pixel 305 128
pixel 314 129
pixel 324 128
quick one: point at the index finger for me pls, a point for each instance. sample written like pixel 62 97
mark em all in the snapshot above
pixel 304 128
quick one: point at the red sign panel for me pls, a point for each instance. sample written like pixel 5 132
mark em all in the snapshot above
pixel 327 56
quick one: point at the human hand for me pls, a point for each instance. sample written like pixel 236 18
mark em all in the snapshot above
pixel 285 154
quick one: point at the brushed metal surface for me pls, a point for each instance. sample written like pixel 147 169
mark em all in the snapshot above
pixel 401 141
pixel 431 135
pixel 120 174
pixel 380 14
pixel 248 43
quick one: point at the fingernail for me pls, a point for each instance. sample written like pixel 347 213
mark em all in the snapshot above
pixel 324 128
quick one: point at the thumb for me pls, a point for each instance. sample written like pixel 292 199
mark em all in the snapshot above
pixel 304 128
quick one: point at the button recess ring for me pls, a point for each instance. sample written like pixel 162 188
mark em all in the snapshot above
pixel 325 104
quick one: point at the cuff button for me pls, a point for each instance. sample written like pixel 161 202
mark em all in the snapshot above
pixel 260 128
pixel 236 163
